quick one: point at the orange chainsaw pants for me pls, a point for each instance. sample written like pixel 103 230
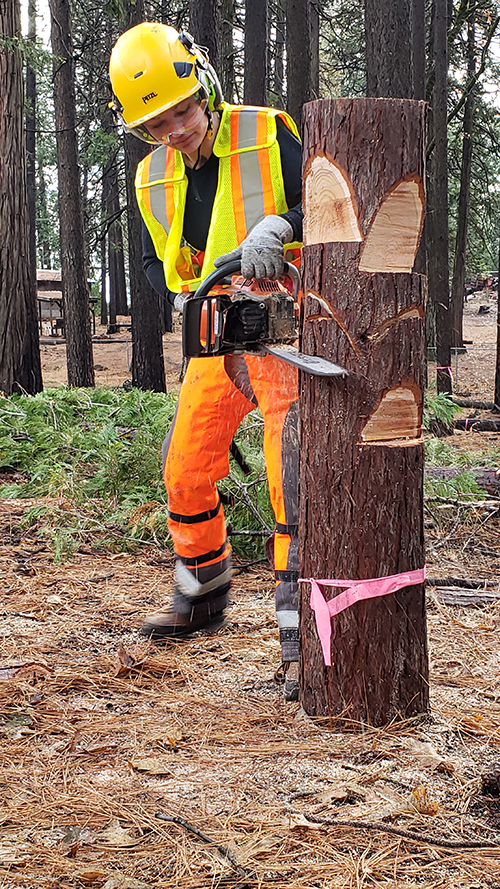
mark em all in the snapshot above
pixel 217 393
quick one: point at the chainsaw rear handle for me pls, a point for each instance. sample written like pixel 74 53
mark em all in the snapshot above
pixel 232 268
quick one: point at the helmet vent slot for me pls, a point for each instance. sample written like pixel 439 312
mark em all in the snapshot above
pixel 183 69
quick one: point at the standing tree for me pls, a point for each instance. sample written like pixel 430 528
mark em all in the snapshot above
pixel 73 265
pixel 225 68
pixel 298 57
pixel 388 48
pixel 458 280
pixel 19 353
pixel 204 24
pixel 148 368
pixel 437 213
pixel 255 52
pixel 33 355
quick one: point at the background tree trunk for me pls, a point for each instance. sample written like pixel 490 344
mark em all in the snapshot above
pixel 388 41
pixel 361 475
pixel 255 92
pixel 73 264
pixel 458 280
pixel 204 24
pixel 19 366
pixel 148 367
pixel 437 212
pixel 32 361
pixel 419 46
pixel 225 68
pixel 298 57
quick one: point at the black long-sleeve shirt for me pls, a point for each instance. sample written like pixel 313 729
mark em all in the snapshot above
pixel 200 197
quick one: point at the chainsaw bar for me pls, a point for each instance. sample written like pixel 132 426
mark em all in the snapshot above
pixel 311 364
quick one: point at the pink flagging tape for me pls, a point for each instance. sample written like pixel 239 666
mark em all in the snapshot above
pixel 355 592
pixel 449 371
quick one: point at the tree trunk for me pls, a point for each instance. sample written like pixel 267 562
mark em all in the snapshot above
pixel 73 265
pixel 361 475
pixel 117 282
pixel 388 42
pixel 19 369
pixel 204 24
pixel 148 368
pixel 298 57
pixel 419 43
pixel 496 397
pixel 314 33
pixel 279 54
pixel 458 280
pixel 33 369
pixel 437 216
pixel 226 55
pixel 255 92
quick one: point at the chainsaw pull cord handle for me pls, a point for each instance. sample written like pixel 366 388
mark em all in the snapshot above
pixel 232 268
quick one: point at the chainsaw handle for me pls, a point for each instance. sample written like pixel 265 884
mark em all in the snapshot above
pixel 233 267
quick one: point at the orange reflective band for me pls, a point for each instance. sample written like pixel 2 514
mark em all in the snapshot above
pixel 265 166
pixel 169 192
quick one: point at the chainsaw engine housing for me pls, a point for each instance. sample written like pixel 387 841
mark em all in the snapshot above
pixel 240 317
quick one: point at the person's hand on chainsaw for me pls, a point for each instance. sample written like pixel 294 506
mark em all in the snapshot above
pixel 261 252
pixel 180 300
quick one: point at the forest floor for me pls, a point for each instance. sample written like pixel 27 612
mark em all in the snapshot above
pixel 101 731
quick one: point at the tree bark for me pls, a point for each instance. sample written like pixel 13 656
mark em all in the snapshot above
pixel 437 216
pixel 204 23
pixel 458 280
pixel 73 263
pixel 361 475
pixel 255 92
pixel 419 43
pixel 148 368
pixel 388 42
pixel 19 368
pixel 298 57
pixel 496 396
pixel 32 362
pixel 225 68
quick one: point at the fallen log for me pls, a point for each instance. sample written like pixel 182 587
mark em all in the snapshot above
pixel 463 582
pixel 477 424
pixel 459 596
pixel 477 405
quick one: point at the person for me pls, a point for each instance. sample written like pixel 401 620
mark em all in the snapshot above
pixel 224 182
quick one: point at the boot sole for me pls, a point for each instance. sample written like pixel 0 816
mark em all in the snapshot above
pixel 180 632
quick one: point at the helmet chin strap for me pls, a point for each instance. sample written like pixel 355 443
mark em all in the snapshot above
pixel 208 135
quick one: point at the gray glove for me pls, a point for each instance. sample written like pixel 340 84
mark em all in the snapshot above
pixel 179 300
pixel 261 252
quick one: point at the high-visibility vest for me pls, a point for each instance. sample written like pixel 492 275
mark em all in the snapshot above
pixel 250 187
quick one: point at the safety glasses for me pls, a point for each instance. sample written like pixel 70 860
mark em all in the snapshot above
pixel 182 125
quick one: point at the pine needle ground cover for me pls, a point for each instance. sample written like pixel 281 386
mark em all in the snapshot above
pixel 102 732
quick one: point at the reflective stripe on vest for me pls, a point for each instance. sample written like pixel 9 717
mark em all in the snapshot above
pixel 250 186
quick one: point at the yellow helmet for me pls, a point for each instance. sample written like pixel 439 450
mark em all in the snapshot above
pixel 153 67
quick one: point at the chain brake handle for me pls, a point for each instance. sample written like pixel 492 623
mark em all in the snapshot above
pixel 193 346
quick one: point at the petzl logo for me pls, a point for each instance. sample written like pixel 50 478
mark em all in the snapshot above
pixel 149 96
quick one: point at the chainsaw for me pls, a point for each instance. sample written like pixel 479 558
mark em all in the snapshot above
pixel 232 315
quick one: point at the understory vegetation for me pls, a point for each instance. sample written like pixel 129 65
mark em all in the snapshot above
pixel 90 459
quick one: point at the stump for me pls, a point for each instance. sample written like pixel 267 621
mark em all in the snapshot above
pixel 362 461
